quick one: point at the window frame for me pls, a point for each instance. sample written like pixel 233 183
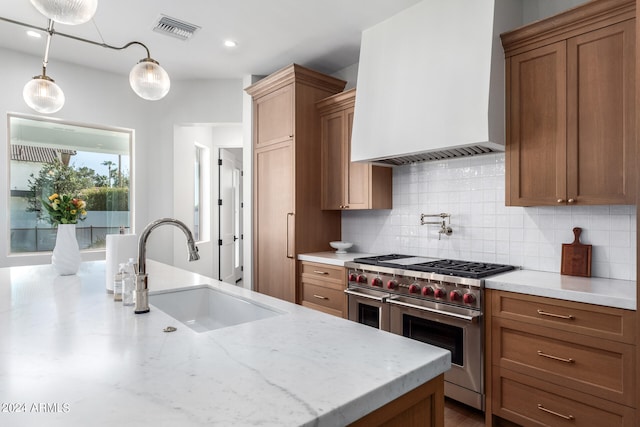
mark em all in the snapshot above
pixel 129 134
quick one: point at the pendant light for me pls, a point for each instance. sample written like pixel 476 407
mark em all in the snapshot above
pixel 149 80
pixel 42 93
pixel 69 12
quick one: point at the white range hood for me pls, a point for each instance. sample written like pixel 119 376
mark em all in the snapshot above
pixel 431 82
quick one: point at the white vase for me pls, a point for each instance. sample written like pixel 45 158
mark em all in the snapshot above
pixel 66 254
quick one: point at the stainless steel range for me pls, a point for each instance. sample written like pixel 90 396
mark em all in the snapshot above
pixel 437 301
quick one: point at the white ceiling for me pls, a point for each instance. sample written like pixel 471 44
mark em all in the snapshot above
pixel 320 34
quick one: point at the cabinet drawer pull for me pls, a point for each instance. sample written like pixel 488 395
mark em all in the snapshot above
pixel 549 411
pixel 320 272
pixel 319 296
pixel 559 316
pixel 560 359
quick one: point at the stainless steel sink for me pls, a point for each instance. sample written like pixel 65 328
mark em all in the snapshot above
pixel 204 308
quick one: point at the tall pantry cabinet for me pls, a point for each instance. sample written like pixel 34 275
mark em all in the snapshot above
pixel 287 219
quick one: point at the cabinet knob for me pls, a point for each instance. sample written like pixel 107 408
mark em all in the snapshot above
pixel 571 201
pixel 560 200
pixel 346 206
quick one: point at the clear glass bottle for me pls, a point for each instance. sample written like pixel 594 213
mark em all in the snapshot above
pixel 129 283
pixel 117 283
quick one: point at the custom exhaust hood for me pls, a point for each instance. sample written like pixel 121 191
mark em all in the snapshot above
pixel 431 82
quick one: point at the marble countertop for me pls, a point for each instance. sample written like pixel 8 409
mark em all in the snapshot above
pixel 332 258
pixel 591 290
pixel 70 356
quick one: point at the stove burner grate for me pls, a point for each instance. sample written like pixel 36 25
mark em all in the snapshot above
pixel 449 267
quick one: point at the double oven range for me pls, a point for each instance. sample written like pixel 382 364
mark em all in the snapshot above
pixel 436 301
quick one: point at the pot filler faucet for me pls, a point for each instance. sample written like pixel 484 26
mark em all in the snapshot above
pixel 142 287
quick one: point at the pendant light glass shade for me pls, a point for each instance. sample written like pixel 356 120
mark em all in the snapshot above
pixel 69 12
pixel 149 80
pixel 43 95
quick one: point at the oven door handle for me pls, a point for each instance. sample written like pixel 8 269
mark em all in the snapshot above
pixel 471 319
pixel 358 294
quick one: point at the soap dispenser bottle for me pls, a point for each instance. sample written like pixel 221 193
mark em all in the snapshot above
pixel 117 283
pixel 129 283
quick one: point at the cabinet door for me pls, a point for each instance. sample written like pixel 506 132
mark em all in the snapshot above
pixel 274 262
pixel 358 183
pixel 333 173
pixel 274 117
pixel 601 116
pixel 536 146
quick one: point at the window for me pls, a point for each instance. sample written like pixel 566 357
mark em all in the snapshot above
pixel 201 197
pixel 197 202
pixel 50 156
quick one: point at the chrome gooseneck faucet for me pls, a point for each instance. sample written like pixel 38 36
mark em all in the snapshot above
pixel 142 288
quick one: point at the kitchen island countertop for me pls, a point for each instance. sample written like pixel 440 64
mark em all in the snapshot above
pixel 70 356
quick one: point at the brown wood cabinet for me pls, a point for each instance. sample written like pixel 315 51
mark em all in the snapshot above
pixel 421 407
pixel 323 287
pixel 287 219
pixel 570 105
pixel 346 184
pixel 554 362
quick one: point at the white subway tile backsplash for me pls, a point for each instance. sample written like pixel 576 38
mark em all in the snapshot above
pixel 484 229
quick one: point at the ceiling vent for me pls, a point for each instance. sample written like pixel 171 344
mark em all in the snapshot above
pixel 175 28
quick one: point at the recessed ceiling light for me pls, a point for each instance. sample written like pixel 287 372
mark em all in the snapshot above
pixel 34 34
pixel 230 43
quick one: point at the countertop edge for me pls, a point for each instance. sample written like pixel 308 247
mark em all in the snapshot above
pixel 590 290
pixel 331 258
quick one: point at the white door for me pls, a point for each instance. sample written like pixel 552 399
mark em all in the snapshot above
pixel 230 216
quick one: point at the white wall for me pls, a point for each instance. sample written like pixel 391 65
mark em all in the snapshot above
pixel 213 137
pixel 472 190
pixel 533 10
pixel 190 102
pixel 96 97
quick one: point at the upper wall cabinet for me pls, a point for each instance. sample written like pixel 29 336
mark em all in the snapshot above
pixel 346 184
pixel 571 107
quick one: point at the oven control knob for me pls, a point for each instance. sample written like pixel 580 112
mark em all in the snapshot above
pixel 414 289
pixel 427 291
pixel 376 281
pixel 455 296
pixel 392 284
pixel 353 277
pixel 469 298
pixel 361 278
pixel 439 293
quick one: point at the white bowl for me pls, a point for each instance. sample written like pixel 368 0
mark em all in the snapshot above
pixel 341 246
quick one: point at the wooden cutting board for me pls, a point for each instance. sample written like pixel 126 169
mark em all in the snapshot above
pixel 576 257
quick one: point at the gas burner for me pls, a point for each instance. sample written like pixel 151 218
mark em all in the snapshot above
pixel 448 267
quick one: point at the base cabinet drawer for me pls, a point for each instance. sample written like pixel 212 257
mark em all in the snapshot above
pixel 529 401
pixel 599 367
pixel 604 322
pixel 332 299
pixel 322 271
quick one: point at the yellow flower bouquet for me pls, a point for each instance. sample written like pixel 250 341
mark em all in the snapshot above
pixel 65 209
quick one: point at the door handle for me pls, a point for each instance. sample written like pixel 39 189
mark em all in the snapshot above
pixel 289 233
